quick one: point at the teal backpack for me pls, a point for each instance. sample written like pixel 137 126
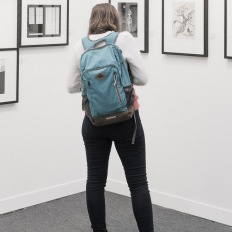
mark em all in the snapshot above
pixel 107 90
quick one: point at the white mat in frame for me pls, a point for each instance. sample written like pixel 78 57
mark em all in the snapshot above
pixel 228 29
pixel 8 24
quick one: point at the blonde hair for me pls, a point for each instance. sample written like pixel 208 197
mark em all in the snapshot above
pixel 104 17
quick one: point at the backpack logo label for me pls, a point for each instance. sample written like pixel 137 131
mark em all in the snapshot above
pixel 100 76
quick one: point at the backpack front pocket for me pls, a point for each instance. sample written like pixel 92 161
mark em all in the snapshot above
pixel 104 91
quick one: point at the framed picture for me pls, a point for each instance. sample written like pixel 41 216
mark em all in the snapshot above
pixel 43 23
pixel 228 29
pixel 9 72
pixel 185 27
pixel 134 17
pixel 8 24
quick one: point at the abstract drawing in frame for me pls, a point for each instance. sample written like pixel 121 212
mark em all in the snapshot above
pixel 228 29
pixel 134 17
pixel 9 72
pixel 185 27
pixel 8 24
pixel 43 23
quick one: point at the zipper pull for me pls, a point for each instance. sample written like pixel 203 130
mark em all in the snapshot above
pixel 116 87
pixel 115 78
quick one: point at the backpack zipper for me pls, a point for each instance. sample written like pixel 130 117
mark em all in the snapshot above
pixel 97 68
pixel 91 49
pixel 116 87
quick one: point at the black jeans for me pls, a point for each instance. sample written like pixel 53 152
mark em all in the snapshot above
pixel 98 142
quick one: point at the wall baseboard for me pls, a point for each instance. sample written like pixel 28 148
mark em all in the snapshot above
pixel 180 204
pixel 43 195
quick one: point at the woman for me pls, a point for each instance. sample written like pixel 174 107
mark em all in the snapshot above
pixel 98 140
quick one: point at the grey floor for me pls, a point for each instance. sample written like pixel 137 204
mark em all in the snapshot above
pixel 69 214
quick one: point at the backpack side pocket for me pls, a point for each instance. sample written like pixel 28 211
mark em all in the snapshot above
pixel 130 95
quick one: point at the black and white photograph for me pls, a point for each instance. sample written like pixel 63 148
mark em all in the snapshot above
pixel 185 27
pixel 183 20
pixel 9 64
pixel 2 76
pixel 43 23
pixel 8 24
pixel 228 29
pixel 129 17
pixel 134 18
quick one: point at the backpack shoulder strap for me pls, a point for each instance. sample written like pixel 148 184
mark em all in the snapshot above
pixel 109 39
pixel 87 43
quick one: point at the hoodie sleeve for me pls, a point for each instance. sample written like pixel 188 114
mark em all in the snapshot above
pixel 133 56
pixel 74 78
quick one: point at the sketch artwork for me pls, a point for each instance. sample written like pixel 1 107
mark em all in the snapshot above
pixel 129 17
pixel 2 76
pixel 44 21
pixel 183 22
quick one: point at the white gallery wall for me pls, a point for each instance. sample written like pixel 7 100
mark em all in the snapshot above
pixel 186 111
pixel 42 155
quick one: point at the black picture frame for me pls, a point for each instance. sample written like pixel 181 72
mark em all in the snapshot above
pixel 16 100
pixel 36 3
pixel 145 48
pixel 226 55
pixel 205 34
